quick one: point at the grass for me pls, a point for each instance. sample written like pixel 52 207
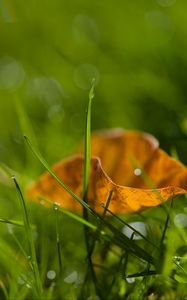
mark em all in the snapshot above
pixel 51 253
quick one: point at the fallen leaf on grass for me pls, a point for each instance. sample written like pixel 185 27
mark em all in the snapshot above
pixel 129 163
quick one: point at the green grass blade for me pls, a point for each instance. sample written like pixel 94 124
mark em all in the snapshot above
pixel 57 226
pixel 30 241
pixel 87 158
pixel 87 144
pixel 166 226
pixel 12 222
pixel 3 288
pixel 142 274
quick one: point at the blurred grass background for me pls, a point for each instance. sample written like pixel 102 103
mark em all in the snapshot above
pixel 51 50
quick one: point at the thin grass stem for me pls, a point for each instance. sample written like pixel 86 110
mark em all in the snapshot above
pixel 56 208
pixel 30 242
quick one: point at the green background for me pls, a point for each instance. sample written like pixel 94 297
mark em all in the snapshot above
pixel 51 50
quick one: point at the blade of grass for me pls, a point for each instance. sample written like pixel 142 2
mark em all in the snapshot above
pixel 3 288
pixel 56 208
pixel 87 160
pixel 142 274
pixel 87 143
pixel 14 222
pixel 166 225
pixel 30 241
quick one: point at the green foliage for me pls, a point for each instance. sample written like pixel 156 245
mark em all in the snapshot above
pixel 50 52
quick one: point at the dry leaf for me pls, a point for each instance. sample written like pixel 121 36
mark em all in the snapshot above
pixel 127 162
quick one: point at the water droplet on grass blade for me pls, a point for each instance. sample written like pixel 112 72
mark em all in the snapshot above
pixel 137 171
pixel 71 278
pixel 11 73
pixel 130 279
pixel 139 226
pixel 56 206
pixel 180 220
pixel 51 274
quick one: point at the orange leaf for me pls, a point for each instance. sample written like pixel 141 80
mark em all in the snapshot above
pixel 127 162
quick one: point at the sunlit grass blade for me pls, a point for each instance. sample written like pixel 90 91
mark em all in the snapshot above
pixel 86 175
pixel 30 241
pixel 87 143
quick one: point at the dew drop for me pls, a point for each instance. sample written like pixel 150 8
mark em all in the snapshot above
pixel 130 279
pixel 180 220
pixel 11 73
pixel 139 226
pixel 71 278
pixel 137 171
pixel 56 206
pixel 51 274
